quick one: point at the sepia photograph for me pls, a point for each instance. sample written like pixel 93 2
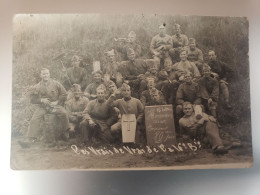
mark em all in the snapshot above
pixel 130 92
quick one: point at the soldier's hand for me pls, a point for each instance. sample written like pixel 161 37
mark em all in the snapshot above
pixel 91 123
pixel 141 76
pixel 45 101
pixel 210 101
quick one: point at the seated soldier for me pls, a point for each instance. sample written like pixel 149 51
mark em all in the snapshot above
pixel 202 127
pixel 75 107
pixel 97 120
pixel 110 68
pixel 195 55
pixel 130 42
pixel 209 91
pixel 180 41
pixel 221 72
pixel 152 96
pixel 74 75
pixel 129 105
pixel 187 92
pixel 90 91
pixel 161 45
pixel 180 68
pixel 111 89
pixel 49 96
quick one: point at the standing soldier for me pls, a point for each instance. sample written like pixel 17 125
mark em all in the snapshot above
pixel 180 41
pixel 74 75
pixel 209 91
pixel 49 96
pixel 221 71
pixel 130 42
pixel 160 45
pixel 75 107
pixel 195 55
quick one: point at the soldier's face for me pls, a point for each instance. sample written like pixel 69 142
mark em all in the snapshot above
pixel 187 78
pixel 206 73
pixel 192 45
pixel 167 66
pixel 112 58
pixel 178 30
pixel 153 69
pixel 131 39
pixel 212 56
pixel 126 92
pixel 188 110
pixel 150 84
pixel 45 75
pixel 100 94
pixel 162 30
pixel 156 96
pixel 77 94
pixel 131 56
pixel 112 88
pixel 75 62
pixel 97 78
pixel 183 56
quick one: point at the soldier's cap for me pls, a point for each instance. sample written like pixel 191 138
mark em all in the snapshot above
pixel 177 26
pixel 76 88
pixel 153 91
pixel 132 34
pixel 125 86
pixel 162 25
pixel 130 51
pixel 109 83
pixel 183 50
pixel 149 79
pixel 75 58
pixel 110 53
pixel 184 104
pixel 101 87
pixel 206 67
pixel 97 72
pixel 187 74
pixel 192 40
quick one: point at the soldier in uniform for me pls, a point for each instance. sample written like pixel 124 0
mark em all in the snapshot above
pixel 203 128
pixel 195 55
pixel 187 92
pixel 74 75
pixel 49 96
pixel 130 42
pixel 129 105
pixel 160 46
pixel 209 91
pixel 110 68
pixel 97 120
pixel 152 96
pixel 91 90
pixel 221 72
pixel 185 66
pixel 75 107
pixel 180 41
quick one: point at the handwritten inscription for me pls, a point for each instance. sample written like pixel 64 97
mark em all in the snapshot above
pixel 102 151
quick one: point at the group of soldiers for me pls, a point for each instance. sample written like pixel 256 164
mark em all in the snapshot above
pixel 176 74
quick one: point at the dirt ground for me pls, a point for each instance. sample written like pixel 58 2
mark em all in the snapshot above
pixel 39 156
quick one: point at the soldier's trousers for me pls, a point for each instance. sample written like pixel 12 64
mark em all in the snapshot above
pixel 211 133
pixel 37 120
pixel 224 91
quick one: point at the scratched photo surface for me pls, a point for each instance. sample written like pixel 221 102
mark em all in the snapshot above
pixel 120 92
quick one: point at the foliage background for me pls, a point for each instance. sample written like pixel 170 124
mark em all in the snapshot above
pixel 39 40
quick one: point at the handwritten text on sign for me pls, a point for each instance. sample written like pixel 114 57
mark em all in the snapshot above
pixel 159 122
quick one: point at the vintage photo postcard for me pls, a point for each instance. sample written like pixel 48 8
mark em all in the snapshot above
pixel 130 92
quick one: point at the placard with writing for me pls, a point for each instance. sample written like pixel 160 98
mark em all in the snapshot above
pixel 160 127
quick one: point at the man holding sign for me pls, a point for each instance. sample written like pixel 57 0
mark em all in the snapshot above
pixel 129 105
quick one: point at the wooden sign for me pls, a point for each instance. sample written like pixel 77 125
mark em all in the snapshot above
pixel 160 127
pixel 128 128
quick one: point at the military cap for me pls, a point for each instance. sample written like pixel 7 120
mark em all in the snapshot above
pixel 132 34
pixel 101 87
pixel 125 86
pixel 177 26
pixel 109 83
pixel 162 25
pixel 206 67
pixel 76 88
pixel 75 58
pixel 97 72
pixel 110 53
pixel 192 40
